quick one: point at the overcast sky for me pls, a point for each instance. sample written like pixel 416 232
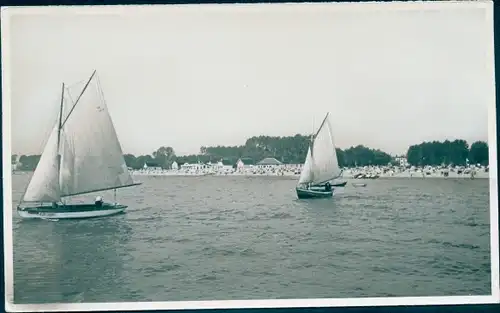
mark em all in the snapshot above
pixel 187 76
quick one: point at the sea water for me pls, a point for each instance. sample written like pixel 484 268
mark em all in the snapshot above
pixel 198 238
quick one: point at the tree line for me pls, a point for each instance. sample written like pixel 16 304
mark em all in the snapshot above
pixel 455 152
pixel 293 150
pixel 287 149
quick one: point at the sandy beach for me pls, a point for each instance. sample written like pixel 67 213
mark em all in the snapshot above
pixel 350 173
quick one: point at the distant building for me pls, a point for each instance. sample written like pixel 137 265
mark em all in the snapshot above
pixel 402 161
pixel 268 163
pixel 244 164
pixel 192 167
pixel 226 165
pixel 175 166
pixel 152 166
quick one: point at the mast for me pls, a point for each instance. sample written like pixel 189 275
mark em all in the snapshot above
pixel 59 128
pixel 311 148
pixel 79 96
pixel 311 158
pixel 311 143
pixel 58 144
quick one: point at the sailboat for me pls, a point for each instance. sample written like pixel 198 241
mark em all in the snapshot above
pixel 321 165
pixel 82 155
pixel 341 184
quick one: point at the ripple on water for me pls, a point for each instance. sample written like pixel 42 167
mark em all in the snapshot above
pixel 240 238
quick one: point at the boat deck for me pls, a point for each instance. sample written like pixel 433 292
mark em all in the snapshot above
pixel 63 208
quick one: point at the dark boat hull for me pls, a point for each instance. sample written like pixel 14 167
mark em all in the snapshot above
pixel 304 193
pixel 340 184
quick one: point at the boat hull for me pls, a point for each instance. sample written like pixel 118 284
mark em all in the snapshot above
pixel 77 211
pixel 304 193
pixel 342 184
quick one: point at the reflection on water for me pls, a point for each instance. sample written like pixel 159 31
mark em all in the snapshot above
pixel 51 250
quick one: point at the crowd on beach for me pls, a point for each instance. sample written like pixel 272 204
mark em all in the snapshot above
pixel 365 172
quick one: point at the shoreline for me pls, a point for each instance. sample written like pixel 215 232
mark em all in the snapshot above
pixel 345 176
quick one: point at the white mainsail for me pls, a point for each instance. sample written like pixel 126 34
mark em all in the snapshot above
pixel 91 155
pixel 321 163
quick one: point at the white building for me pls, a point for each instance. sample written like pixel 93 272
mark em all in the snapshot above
pixel 152 166
pixel 225 166
pixel 268 163
pixel 402 161
pixel 192 167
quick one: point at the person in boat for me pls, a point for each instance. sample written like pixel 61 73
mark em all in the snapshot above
pixel 328 187
pixel 98 201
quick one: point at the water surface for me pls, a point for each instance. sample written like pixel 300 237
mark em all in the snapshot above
pixel 198 238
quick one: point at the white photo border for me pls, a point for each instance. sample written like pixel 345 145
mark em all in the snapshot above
pixel 261 303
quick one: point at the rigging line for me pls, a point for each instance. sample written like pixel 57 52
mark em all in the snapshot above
pixel 78 99
pixel 68 87
pixel 69 96
pixel 101 92
pixel 76 83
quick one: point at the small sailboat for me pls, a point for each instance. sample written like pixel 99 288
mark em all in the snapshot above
pixel 82 155
pixel 341 184
pixel 321 165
